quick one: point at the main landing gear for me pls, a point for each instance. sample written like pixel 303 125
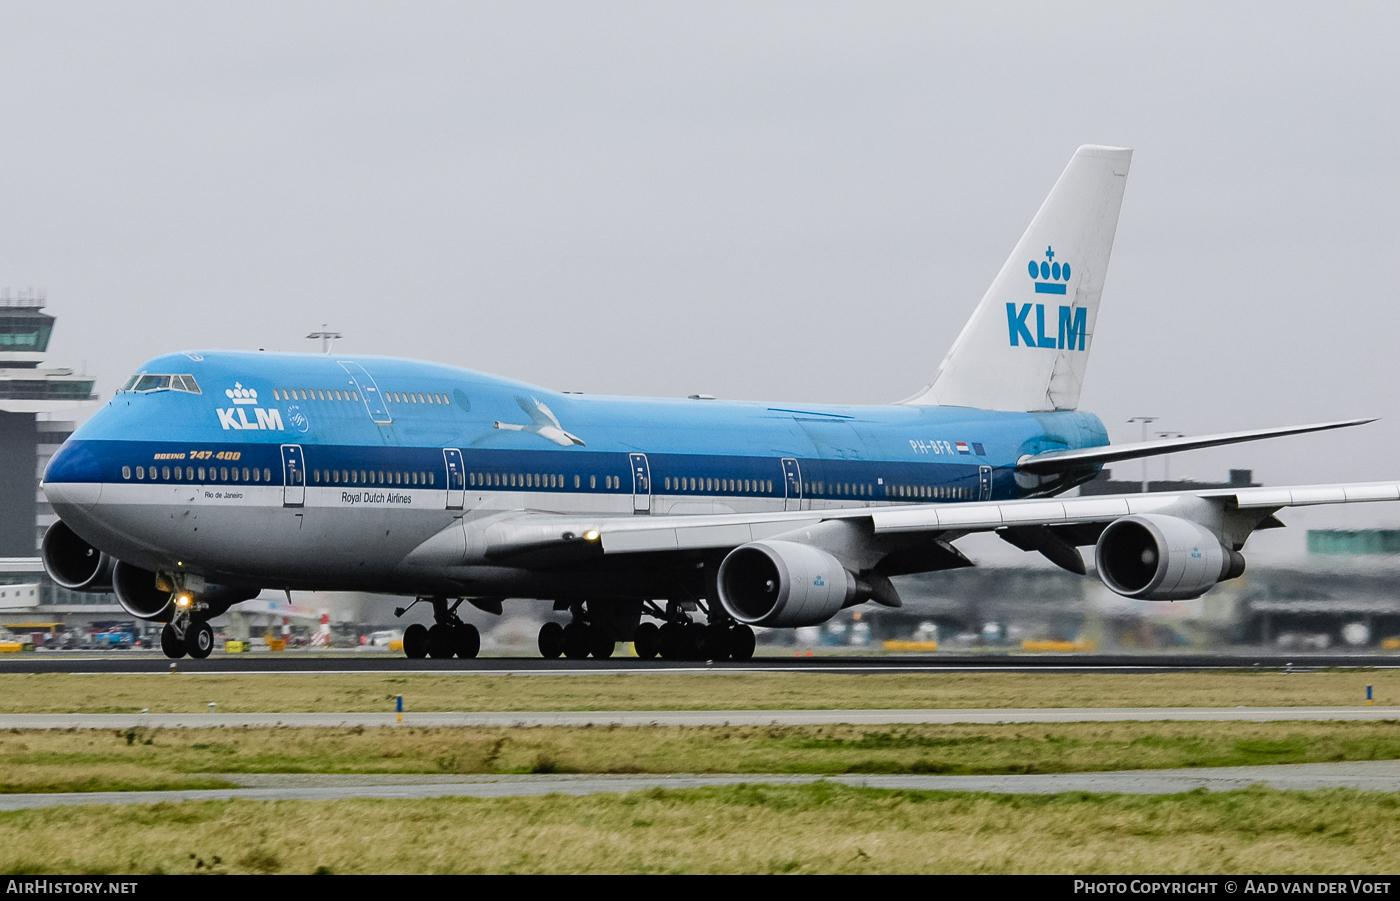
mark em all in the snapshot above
pixel 678 638
pixel 447 637
pixel 681 638
pixel 585 636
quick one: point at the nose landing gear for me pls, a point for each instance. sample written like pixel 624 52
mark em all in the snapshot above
pixel 188 631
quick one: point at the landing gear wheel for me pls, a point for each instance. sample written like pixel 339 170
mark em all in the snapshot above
pixel 713 642
pixel 671 643
pixel 415 641
pixel 441 642
pixel 647 641
pixel 600 642
pixel 170 643
pixel 576 644
pixel 468 641
pixel 551 640
pixel 741 643
pixel 199 640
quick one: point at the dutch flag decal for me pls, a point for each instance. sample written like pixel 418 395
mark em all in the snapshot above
pixel 963 448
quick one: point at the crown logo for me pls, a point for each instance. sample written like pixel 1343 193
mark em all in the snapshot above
pixel 1050 275
pixel 240 395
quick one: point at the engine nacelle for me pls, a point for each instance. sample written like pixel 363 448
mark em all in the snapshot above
pixel 1155 557
pixel 73 563
pixel 137 592
pixel 783 583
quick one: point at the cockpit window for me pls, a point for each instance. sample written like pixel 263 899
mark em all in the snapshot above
pixel 146 382
pixel 152 383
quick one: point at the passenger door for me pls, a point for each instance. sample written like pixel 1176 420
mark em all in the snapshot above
pixel 792 484
pixel 293 476
pixel 456 478
pixel 641 483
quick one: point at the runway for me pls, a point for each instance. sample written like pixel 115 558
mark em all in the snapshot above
pixel 695 717
pixel 384 663
pixel 1380 775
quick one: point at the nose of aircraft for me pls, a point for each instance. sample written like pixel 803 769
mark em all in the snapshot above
pixel 73 495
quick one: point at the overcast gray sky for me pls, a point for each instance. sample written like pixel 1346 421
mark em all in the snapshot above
pixel 779 201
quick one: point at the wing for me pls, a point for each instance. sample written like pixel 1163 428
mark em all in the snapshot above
pixel 1170 545
pixel 519 532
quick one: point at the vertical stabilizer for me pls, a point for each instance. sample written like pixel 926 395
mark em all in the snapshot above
pixel 1027 344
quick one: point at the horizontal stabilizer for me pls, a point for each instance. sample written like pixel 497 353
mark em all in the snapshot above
pixel 1058 461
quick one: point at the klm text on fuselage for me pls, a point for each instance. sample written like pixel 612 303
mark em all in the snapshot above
pixel 1070 335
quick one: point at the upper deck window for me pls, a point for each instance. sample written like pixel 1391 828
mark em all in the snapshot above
pixel 147 382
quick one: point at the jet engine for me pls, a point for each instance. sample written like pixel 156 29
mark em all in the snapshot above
pixel 786 584
pixel 73 563
pixel 1155 557
pixel 138 594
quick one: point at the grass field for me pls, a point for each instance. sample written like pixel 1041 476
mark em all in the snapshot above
pixel 650 690
pixel 822 828
pixel 107 760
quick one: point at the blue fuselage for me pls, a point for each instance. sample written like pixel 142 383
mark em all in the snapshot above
pixel 254 448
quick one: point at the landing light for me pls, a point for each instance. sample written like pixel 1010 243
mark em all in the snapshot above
pixel 183 600
pixel 590 535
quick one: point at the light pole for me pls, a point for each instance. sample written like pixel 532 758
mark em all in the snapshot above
pixel 1144 420
pixel 1167 458
pixel 326 338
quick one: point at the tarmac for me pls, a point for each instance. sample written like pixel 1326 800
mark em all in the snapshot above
pixel 1380 775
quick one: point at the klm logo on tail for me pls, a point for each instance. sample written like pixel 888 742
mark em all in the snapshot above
pixel 1051 277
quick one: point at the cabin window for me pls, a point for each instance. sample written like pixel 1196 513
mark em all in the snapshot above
pixel 126 472
pixel 165 472
pixel 431 479
pixel 179 473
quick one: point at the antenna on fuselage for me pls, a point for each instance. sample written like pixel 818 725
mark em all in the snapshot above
pixel 326 338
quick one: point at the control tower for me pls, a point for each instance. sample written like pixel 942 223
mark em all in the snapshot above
pixel 27 441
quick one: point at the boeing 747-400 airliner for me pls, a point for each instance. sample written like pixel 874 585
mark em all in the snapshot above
pixel 212 475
